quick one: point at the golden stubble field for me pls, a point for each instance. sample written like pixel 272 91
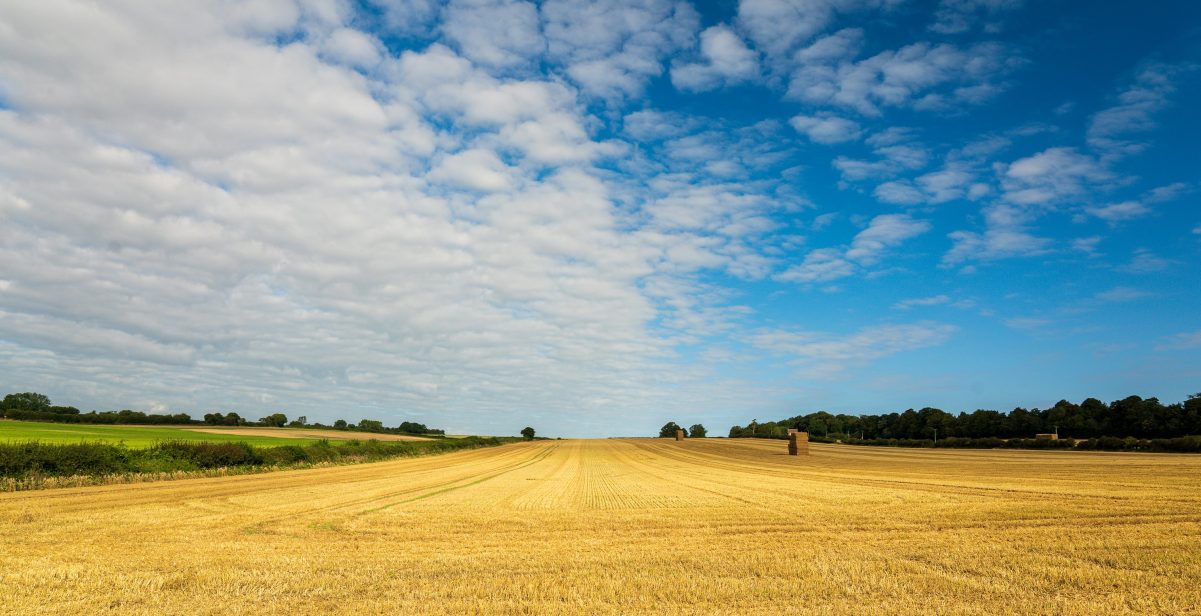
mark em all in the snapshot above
pixel 626 526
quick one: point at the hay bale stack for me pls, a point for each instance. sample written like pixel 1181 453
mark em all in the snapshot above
pixel 679 435
pixel 798 443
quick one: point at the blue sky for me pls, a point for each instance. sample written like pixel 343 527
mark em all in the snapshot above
pixel 595 217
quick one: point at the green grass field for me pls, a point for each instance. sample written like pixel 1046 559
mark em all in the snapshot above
pixel 131 436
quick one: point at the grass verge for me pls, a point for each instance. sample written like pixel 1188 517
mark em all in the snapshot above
pixel 35 465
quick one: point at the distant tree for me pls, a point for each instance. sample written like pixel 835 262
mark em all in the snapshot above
pixel 528 433
pixel 275 420
pixel 411 427
pixel 697 431
pixel 340 424
pixel 28 401
pixel 299 422
pixel 669 430
pixel 371 425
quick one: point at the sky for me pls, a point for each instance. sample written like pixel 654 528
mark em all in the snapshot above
pixel 593 217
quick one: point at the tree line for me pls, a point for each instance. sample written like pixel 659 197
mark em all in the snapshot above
pixel 31 406
pixel 1131 417
pixel 669 430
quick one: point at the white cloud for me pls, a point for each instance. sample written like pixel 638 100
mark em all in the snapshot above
pixel 1053 175
pixel 726 60
pixel 884 232
pixel 201 218
pixel 897 152
pixel 1180 342
pixel 947 184
pixel 495 33
pixel 1146 262
pixel 821 265
pixel 900 192
pixel 1087 245
pixel 1118 212
pixel 933 300
pixel 1110 130
pixel 827 355
pixel 1168 192
pixel 921 75
pixel 1121 294
pixel 612 48
pixel 407 17
pixel 998 241
pixel 352 47
pixel 1027 323
pixel 955 16
pixel 826 128
pixel 842 45
pixel 778 27
pixel 476 169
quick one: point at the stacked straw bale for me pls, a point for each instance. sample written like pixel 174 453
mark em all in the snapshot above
pixel 798 443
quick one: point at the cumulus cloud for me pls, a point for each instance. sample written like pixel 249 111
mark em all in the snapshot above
pixel 495 33
pixel 933 300
pixel 897 151
pixel 827 355
pixel 779 27
pixel 1118 212
pixel 956 16
pixel 1121 294
pixel 612 48
pixel 202 218
pixel 725 60
pixel 884 232
pixel 1111 131
pixel 821 265
pixel 1180 342
pixel 826 128
pixel 1053 175
pixel 477 169
pixel 868 247
pixel 920 75
pixel 1007 234
pixel 1145 262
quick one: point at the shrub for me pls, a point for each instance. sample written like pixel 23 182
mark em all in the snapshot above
pixel 18 459
pixel 284 455
pixel 211 455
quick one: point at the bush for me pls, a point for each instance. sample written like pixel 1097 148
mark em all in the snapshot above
pixel 210 455
pixel 20 459
pixel 285 455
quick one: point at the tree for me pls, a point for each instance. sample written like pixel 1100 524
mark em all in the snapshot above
pixel 528 433
pixel 299 422
pixel 28 401
pixel 275 420
pixel 669 430
pixel 412 427
pixel 697 431
pixel 371 425
pixel 340 424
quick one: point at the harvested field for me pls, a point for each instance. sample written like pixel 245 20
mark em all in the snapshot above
pixel 627 526
pixel 342 435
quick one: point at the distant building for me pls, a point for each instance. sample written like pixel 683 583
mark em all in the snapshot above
pixel 1047 437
